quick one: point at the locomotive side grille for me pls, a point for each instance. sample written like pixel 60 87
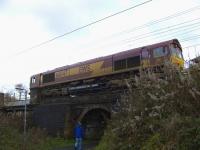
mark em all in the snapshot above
pixel 130 62
pixel 120 64
pixel 133 62
pixel 49 77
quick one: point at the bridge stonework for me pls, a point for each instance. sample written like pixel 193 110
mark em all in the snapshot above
pixel 58 116
pixel 92 111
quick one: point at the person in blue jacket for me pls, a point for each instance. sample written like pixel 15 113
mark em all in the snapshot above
pixel 78 131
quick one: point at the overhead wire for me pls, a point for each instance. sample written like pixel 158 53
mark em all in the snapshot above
pixel 139 27
pixel 82 27
pixel 190 38
pixel 124 44
pixel 168 27
pixel 152 34
pixel 177 33
pixel 178 14
pixel 151 23
pixel 163 19
pixel 192 45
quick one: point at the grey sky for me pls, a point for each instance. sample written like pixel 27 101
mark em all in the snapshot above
pixel 25 23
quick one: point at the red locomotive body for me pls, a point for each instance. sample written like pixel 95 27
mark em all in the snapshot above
pixel 75 77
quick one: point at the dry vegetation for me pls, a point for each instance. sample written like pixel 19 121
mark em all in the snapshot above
pixel 12 138
pixel 157 114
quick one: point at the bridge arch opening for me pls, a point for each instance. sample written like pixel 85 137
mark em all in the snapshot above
pixel 94 122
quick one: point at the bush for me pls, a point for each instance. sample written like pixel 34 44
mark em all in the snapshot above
pixel 157 113
pixel 12 138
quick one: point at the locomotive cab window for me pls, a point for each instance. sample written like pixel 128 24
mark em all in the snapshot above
pixel 33 80
pixel 49 77
pixel 145 54
pixel 160 52
pixel 176 51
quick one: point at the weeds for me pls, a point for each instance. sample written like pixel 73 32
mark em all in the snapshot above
pixel 12 138
pixel 157 113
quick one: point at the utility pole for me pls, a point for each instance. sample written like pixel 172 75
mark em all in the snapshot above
pixel 25 92
pixel 21 89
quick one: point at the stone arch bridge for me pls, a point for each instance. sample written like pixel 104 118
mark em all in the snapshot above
pixel 59 116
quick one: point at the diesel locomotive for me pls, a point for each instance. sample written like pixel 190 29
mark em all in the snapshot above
pixel 99 73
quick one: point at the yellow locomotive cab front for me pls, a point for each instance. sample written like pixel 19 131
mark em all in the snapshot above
pixel 177 61
pixel 176 57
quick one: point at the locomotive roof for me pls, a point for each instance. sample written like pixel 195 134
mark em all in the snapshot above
pixel 106 57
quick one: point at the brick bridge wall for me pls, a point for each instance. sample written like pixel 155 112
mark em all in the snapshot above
pixel 60 116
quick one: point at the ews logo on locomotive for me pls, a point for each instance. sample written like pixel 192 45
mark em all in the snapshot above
pixel 85 68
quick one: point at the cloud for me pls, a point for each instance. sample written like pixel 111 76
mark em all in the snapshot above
pixel 3 3
pixel 26 23
pixel 61 16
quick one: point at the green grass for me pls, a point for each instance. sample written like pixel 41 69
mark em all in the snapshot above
pixel 12 139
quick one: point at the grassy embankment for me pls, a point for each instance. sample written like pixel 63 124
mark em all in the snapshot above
pixel 11 136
